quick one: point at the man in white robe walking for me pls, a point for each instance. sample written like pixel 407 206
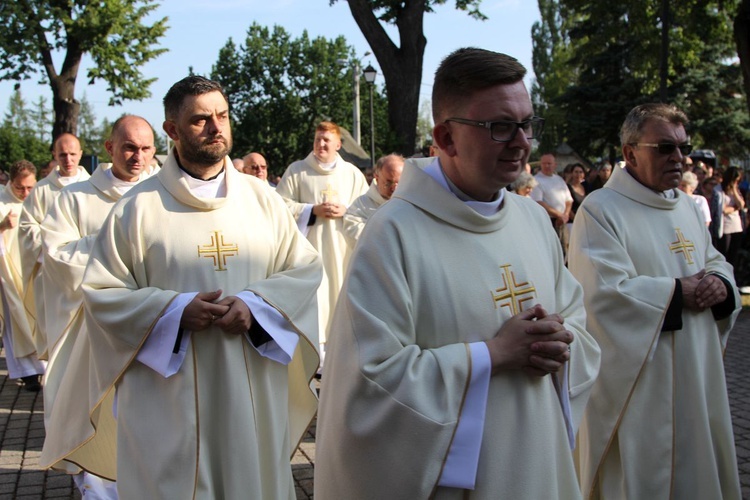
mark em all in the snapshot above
pixel 68 233
pixel 318 190
pixel 67 151
pixel 200 325
pixel 386 175
pixel 17 322
pixel 458 364
pixel 661 302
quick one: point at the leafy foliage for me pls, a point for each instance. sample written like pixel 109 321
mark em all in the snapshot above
pixel 401 64
pixel 113 32
pixel 594 61
pixel 279 88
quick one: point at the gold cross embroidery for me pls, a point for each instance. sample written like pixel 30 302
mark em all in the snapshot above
pixel 513 292
pixel 329 194
pixel 683 246
pixel 218 250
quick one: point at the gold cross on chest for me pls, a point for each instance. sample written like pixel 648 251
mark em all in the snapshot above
pixel 683 246
pixel 515 293
pixel 329 194
pixel 218 250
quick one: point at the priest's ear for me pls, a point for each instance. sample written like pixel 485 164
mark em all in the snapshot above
pixel 442 137
pixel 628 154
pixel 170 128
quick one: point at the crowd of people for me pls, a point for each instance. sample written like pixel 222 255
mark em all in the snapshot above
pixel 479 331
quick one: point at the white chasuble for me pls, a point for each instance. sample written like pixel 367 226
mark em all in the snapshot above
pixel 658 422
pixel 430 275
pixel 304 183
pixel 17 317
pixel 360 211
pixel 68 233
pixel 35 208
pixel 225 425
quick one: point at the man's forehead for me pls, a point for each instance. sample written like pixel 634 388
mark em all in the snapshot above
pixel 208 103
pixel 68 144
pixel 663 129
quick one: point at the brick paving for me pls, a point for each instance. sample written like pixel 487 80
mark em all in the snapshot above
pixel 22 432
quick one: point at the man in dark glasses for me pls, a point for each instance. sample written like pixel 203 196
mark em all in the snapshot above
pixel 660 300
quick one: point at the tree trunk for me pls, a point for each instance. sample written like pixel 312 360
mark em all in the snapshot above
pixel 401 66
pixel 664 59
pixel 742 39
pixel 65 106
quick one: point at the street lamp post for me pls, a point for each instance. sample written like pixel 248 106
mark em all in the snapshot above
pixel 370 73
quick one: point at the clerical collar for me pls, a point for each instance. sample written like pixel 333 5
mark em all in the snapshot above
pixel 118 184
pixel 185 171
pixel 69 180
pixel 486 208
pixel 326 166
pixel 668 194
pixel 215 187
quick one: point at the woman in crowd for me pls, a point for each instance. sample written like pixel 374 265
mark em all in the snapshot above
pixel 524 184
pixel 688 184
pixel 734 206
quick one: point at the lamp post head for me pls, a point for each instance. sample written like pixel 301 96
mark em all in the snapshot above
pixel 370 73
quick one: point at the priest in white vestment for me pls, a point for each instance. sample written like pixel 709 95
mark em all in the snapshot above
pixel 458 363
pixel 17 323
pixel 68 233
pixel 318 191
pixel 67 151
pixel 661 302
pixel 386 175
pixel 201 326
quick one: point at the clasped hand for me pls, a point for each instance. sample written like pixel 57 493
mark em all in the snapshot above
pixel 533 341
pixel 701 291
pixel 329 210
pixel 230 314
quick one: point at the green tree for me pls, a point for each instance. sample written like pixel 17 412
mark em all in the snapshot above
pixel 112 32
pixel 279 88
pixel 401 64
pixel 613 54
pixel 41 122
pixel 17 138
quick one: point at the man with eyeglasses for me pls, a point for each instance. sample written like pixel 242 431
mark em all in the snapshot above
pixel 458 363
pixel 256 165
pixel 386 176
pixel 661 302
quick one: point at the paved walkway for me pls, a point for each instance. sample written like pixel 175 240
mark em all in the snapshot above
pixel 22 432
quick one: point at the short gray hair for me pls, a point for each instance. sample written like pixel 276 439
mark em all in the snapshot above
pixel 689 179
pixel 639 115
pixel 524 180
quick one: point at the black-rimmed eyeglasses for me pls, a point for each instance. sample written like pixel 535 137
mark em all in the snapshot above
pixel 505 131
pixel 666 148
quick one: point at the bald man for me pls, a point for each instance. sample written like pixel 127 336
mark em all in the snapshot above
pixel 67 152
pixel 256 165
pixel 68 233
pixel 386 176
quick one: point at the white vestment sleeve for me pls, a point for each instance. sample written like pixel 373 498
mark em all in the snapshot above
pixel 460 470
pixel 303 219
pixel 281 348
pixel 158 351
pixel 563 394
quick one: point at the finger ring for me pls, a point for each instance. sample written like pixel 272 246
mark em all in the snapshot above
pixel 568 347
